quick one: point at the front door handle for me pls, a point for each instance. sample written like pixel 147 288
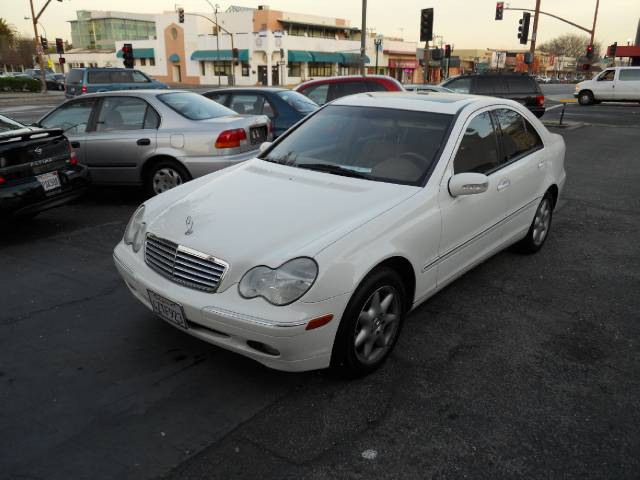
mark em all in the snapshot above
pixel 144 141
pixel 504 183
pixel 75 144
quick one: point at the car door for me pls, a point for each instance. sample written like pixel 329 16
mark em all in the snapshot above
pixel 124 136
pixel 523 166
pixel 627 85
pixel 471 224
pixel 74 117
pixel 604 86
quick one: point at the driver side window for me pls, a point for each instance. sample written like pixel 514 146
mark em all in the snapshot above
pixel 607 76
pixel 478 151
pixel 72 117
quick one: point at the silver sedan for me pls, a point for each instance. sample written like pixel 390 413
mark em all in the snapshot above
pixel 156 138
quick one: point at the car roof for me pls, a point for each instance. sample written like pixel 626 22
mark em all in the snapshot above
pixel 350 78
pixel 133 93
pixel 436 102
pixel 248 89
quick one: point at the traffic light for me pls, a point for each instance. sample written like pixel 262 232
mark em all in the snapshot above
pixel 585 67
pixel 127 55
pixel 523 29
pixel 59 46
pixel 44 42
pixel 499 10
pixel 426 24
pixel 436 54
pixel 611 50
pixel 181 15
pixel 447 51
pixel 589 52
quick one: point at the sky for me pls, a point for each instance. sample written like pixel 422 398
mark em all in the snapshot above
pixel 463 23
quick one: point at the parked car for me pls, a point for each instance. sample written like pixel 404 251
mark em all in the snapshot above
pixel 426 88
pixel 35 72
pixel 90 80
pixel 38 170
pixel 283 107
pixel 313 254
pixel 616 84
pixel 515 86
pixel 55 81
pixel 325 90
pixel 156 138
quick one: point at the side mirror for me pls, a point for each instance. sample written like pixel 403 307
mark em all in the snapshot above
pixel 264 146
pixel 468 183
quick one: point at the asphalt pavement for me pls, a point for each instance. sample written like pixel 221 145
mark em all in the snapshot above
pixel 526 367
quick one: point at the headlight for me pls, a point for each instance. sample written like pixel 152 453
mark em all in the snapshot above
pixel 282 285
pixel 134 233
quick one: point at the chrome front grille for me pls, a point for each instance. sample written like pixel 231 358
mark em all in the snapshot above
pixel 183 265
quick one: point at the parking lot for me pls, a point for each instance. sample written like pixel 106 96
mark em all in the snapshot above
pixel 527 366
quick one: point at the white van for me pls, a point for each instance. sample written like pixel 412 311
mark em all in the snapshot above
pixel 616 84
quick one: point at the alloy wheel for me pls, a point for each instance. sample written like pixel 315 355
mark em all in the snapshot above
pixel 541 222
pixel 165 179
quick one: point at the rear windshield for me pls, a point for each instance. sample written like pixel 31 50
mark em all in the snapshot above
pixel 298 101
pixel 194 106
pixel 74 76
pixel 380 144
pixel 7 124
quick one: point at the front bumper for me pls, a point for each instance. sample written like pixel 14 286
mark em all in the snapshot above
pixel 199 166
pixel 229 321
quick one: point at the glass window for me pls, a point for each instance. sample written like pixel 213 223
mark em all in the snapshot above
pixel 152 62
pixel 534 141
pixel 486 85
pixel 388 145
pixel 121 76
pixel 338 90
pixel 202 69
pixel 99 76
pixel 72 117
pixel 151 119
pixel 630 74
pixel 295 69
pixel 478 151
pixel 194 106
pixel 460 85
pixel 298 101
pixel 7 124
pixel 139 77
pixel 247 104
pixel 317 93
pixel 121 113
pixel 519 84
pixel 143 61
pixel 607 76
pixel 245 69
pixel 515 140
pixel 74 76
pixel 221 98
pixel 320 69
pixel 222 68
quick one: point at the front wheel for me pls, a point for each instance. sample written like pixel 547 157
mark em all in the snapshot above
pixel 370 325
pixel 540 226
pixel 585 98
pixel 164 176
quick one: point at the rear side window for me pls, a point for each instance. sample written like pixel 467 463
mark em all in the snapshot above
pixel 298 101
pixel 122 76
pixel 374 87
pixel 74 76
pixel 249 104
pixel 630 74
pixel 122 113
pixel 99 76
pixel 516 141
pixel 478 151
pixel 221 98
pixel 459 85
pixel 534 140
pixel 339 90
pixel 73 117
pixel 517 84
pixel 318 93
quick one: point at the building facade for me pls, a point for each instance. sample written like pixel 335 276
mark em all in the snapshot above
pixel 98 30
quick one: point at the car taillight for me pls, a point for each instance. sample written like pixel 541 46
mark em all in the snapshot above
pixel 2 180
pixel 231 138
pixel 73 158
pixel 540 100
pixel 84 89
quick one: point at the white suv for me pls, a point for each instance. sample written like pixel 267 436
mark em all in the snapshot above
pixel 616 84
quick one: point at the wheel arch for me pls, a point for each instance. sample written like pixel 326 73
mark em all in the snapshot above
pixel 153 160
pixel 403 267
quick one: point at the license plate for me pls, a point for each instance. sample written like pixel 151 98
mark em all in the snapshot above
pixel 49 181
pixel 167 310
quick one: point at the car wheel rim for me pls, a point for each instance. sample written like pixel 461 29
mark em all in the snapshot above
pixel 377 325
pixel 541 222
pixel 166 179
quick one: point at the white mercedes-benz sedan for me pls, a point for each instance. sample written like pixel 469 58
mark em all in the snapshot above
pixel 312 254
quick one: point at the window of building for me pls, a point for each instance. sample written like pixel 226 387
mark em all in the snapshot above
pixel 320 69
pixel 222 68
pixel 143 62
pixel 478 151
pixel 295 69
pixel 202 69
pixel 152 62
pixel 245 69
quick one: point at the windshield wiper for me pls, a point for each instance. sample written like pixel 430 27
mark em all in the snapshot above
pixel 335 169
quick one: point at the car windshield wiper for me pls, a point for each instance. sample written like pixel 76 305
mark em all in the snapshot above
pixel 335 169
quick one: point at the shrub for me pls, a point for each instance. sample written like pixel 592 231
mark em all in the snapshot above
pixel 19 84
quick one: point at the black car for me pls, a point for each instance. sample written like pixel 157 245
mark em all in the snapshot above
pixel 284 107
pixel 520 87
pixel 38 169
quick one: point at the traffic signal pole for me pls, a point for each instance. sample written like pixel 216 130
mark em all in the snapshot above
pixel 595 17
pixel 36 42
pixel 534 35
pixel 363 36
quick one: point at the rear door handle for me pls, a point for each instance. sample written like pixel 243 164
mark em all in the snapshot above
pixel 504 183
pixel 75 144
pixel 144 141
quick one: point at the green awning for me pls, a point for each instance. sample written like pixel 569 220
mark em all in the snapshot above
pixel 223 55
pixel 139 53
pixel 174 57
pixel 299 56
pixel 326 57
pixel 352 59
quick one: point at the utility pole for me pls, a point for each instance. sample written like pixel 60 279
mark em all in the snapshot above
pixel 363 36
pixel 534 36
pixel 215 12
pixel 37 44
pixel 377 42
pixel 595 17
pixel 425 59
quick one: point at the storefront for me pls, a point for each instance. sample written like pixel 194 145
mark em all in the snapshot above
pixel 403 69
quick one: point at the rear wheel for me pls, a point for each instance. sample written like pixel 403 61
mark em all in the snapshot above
pixel 585 98
pixel 540 226
pixel 164 176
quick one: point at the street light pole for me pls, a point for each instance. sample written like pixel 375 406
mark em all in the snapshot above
pixel 534 35
pixel 595 17
pixel 377 42
pixel 363 36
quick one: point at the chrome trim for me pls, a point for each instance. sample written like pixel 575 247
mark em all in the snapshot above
pixel 251 319
pixel 444 256
pixel 183 265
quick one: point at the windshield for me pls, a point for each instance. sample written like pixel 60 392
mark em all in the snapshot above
pixel 194 106
pixel 298 101
pixel 7 124
pixel 381 144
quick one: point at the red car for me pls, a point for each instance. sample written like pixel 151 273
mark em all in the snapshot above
pixel 325 90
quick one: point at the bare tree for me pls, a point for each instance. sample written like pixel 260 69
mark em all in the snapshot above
pixel 570 45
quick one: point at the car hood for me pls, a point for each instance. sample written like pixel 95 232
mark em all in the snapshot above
pixel 260 213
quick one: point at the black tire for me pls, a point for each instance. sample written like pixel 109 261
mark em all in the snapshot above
pixel 179 174
pixel 533 242
pixel 345 359
pixel 585 98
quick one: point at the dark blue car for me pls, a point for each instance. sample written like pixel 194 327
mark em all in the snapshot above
pixel 284 107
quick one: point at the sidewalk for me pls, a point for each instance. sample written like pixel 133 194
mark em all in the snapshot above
pixel 12 97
